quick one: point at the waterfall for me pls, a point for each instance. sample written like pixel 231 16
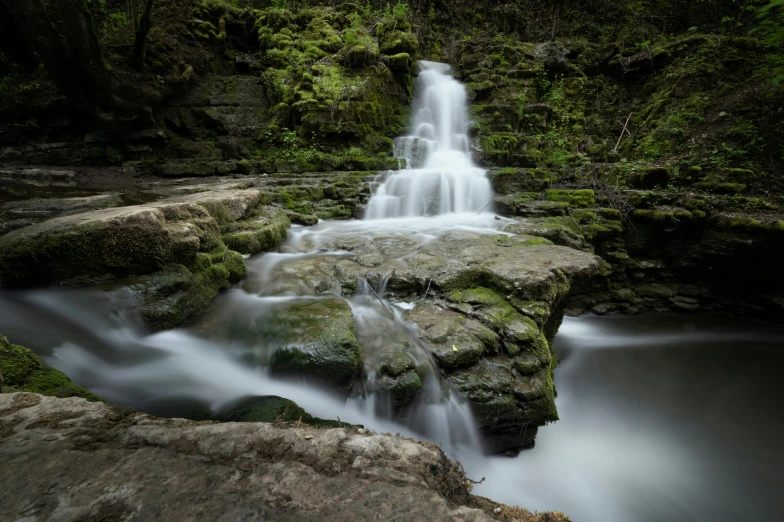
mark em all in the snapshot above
pixel 439 177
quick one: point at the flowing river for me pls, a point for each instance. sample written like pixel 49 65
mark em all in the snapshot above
pixel 662 418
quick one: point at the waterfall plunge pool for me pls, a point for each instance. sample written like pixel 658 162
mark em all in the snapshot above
pixel 662 418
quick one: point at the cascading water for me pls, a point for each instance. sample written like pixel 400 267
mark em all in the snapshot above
pixel 223 357
pixel 439 175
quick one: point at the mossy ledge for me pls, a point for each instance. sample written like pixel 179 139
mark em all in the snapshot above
pixel 174 256
pixel 22 370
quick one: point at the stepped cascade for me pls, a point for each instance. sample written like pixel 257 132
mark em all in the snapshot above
pixel 440 176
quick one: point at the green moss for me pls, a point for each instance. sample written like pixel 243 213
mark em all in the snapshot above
pixel 22 370
pixel 174 296
pixel 575 198
pixel 316 339
pixel 722 188
pixel 278 409
pixel 518 331
pixel 262 231
pixel 538 241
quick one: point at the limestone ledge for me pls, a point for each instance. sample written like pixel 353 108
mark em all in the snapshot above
pixel 69 459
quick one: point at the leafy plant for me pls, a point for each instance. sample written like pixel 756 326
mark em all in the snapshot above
pixel 770 29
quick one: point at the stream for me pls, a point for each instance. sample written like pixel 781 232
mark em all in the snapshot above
pixel 662 418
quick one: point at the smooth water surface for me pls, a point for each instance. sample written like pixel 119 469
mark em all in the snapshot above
pixel 663 418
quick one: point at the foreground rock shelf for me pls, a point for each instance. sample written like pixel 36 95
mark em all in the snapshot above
pixel 69 459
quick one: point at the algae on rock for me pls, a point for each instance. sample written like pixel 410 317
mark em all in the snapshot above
pixel 22 370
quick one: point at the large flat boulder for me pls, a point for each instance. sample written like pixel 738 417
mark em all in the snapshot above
pixel 68 460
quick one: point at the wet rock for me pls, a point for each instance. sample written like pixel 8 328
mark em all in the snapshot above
pixel 314 338
pixel 172 297
pixel 455 340
pixel 97 244
pixel 263 230
pixel 135 240
pixel 63 206
pixel 560 230
pixel 38 177
pixel 498 357
pixel 215 471
pixel 22 370
pixel 276 409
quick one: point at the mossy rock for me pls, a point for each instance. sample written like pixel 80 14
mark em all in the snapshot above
pixel 516 180
pixel 95 245
pixel 575 198
pixel 655 291
pixel 560 230
pixel 263 230
pixel 22 370
pixel 722 188
pixel 402 388
pixel 316 339
pixel 455 340
pixel 519 333
pixel 509 205
pixel 277 409
pixel 400 62
pixel 649 177
pixel 173 297
pixel 396 42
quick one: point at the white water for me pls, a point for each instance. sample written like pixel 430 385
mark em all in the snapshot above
pixel 440 176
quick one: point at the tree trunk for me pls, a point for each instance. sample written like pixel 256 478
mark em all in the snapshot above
pixel 140 38
pixel 85 50
pixel 555 23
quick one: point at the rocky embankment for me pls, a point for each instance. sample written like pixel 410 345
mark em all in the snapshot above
pixel 69 459
pixel 663 249
pixel 487 306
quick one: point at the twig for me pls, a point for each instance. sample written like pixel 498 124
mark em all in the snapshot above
pixel 488 203
pixel 428 287
pixel 377 297
pixel 622 132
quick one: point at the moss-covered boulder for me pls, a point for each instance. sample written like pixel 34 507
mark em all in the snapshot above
pixel 561 230
pixel 315 338
pixel 276 409
pixel 263 230
pixel 398 376
pixel 96 245
pixel 575 197
pixel 119 242
pixel 455 340
pixel 649 177
pixel 510 180
pixel 22 370
pixel 172 297
pixel 493 349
